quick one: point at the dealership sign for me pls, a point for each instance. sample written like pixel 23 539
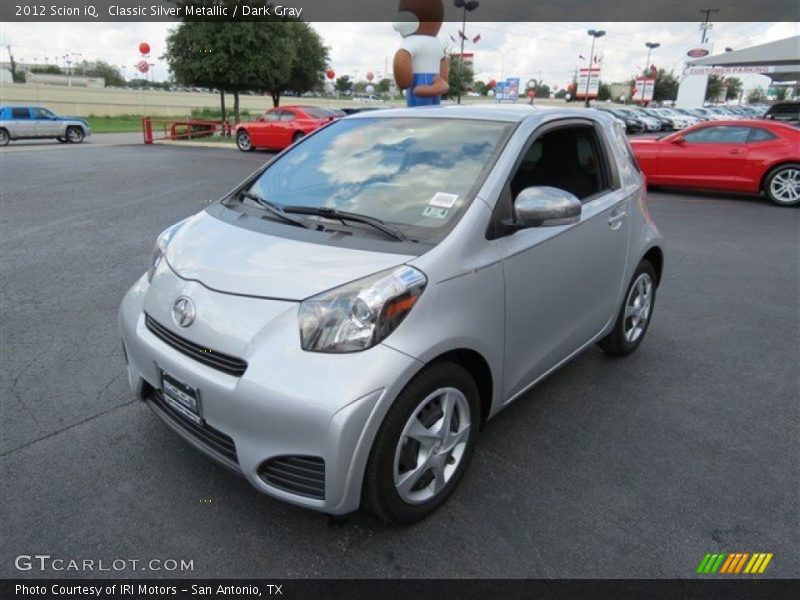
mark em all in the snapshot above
pixel 588 83
pixel 643 92
pixel 744 70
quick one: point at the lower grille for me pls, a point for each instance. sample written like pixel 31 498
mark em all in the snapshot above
pixel 216 360
pixel 301 475
pixel 203 433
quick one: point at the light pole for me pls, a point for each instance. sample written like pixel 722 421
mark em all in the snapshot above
pixel 595 34
pixel 650 47
pixel 467 7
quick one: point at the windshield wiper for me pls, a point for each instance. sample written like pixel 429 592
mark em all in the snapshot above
pixel 341 215
pixel 274 209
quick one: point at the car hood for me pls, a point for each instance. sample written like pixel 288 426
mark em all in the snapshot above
pixel 231 259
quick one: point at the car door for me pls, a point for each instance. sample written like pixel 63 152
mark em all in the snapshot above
pixel 563 283
pixel 45 123
pixel 286 129
pixel 21 125
pixel 263 134
pixel 712 157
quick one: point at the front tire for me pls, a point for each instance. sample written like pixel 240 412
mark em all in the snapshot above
pixel 635 314
pixel 782 185
pixel 424 444
pixel 298 136
pixel 74 135
pixel 4 137
pixel 244 142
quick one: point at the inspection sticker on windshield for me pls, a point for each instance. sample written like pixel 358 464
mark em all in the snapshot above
pixel 434 212
pixel 442 200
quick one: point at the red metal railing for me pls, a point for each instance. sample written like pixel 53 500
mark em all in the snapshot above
pixel 156 129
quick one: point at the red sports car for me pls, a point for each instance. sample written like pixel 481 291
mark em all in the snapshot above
pixel 282 126
pixel 735 156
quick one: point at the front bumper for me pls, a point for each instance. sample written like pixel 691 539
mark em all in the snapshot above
pixel 288 403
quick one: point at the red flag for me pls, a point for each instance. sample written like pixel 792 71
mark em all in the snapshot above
pixel 476 39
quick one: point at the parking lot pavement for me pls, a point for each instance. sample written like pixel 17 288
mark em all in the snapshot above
pixel 94 140
pixel 630 467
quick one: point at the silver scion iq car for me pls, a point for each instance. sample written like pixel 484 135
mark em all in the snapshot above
pixel 339 327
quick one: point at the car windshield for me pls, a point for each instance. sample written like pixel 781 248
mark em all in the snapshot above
pixel 415 173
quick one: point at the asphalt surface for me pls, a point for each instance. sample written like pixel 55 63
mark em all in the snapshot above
pixel 630 467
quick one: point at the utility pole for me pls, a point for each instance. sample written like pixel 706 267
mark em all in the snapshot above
pixel 467 7
pixel 705 26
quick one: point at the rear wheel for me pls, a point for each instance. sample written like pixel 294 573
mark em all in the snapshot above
pixel 4 137
pixel 782 185
pixel 244 142
pixel 424 444
pixel 634 317
pixel 74 135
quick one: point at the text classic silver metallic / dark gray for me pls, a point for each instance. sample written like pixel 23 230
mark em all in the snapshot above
pixel 338 328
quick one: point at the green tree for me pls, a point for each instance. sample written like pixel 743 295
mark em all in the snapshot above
pixel 714 88
pixel 343 84
pixel 480 87
pixel 460 79
pixel 734 88
pixel 47 69
pixel 99 68
pixel 666 86
pixel 780 93
pixel 603 92
pixel 384 86
pixel 757 95
pixel 299 67
pixel 561 94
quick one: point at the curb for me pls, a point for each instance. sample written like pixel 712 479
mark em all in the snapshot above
pixel 192 144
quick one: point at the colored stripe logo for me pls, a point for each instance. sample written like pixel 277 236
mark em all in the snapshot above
pixel 734 563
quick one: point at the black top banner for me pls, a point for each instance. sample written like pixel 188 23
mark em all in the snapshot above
pixel 386 10
pixel 401 589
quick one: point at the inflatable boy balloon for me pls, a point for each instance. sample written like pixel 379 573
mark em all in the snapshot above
pixel 421 67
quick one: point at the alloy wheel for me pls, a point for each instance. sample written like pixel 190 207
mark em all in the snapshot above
pixel 432 445
pixel 785 186
pixel 74 135
pixel 244 142
pixel 637 307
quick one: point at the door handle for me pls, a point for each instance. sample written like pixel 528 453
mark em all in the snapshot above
pixel 616 219
pixel 737 151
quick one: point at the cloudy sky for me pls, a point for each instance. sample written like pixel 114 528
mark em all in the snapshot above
pixel 547 50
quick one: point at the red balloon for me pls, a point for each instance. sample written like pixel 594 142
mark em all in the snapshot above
pixel 330 73
pixel 370 76
pixel 142 66
pixel 531 93
pixel 144 48
pixel 492 84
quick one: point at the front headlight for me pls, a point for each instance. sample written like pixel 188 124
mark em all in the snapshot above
pixel 160 248
pixel 360 314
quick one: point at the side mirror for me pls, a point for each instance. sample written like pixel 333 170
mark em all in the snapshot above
pixel 678 139
pixel 545 206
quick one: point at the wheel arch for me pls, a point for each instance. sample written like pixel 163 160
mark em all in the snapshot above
pixel 770 168
pixel 481 372
pixel 656 257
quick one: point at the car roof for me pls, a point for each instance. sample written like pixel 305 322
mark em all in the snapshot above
pixel 510 113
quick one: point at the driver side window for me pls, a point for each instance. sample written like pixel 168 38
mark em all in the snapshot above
pixel 721 134
pixel 567 158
